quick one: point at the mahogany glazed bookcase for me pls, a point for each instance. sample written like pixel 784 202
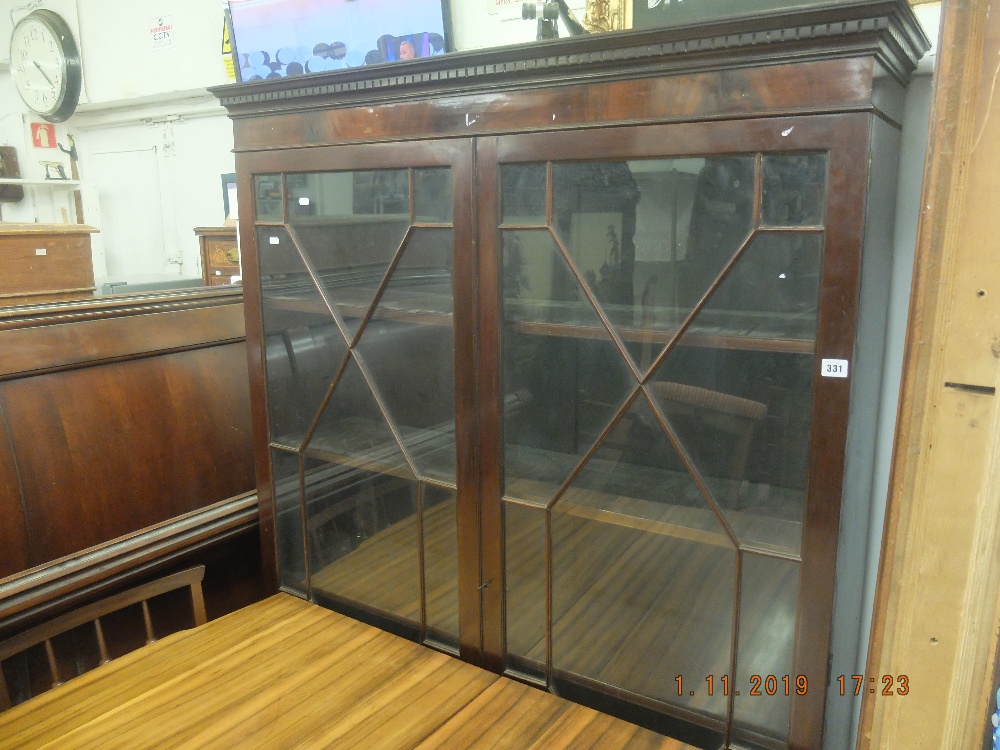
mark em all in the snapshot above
pixel 565 356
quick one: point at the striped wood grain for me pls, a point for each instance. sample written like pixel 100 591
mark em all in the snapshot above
pixel 284 673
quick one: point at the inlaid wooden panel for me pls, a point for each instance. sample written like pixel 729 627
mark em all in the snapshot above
pixel 104 451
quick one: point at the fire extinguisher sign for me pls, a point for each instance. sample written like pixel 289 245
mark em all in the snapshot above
pixel 43 135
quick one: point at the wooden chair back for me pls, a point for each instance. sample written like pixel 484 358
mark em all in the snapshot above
pixel 721 412
pixel 45 632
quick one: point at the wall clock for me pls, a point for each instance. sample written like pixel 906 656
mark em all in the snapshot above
pixel 45 63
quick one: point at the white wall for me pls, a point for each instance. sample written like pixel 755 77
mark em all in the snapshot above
pixel 152 142
pixel 494 23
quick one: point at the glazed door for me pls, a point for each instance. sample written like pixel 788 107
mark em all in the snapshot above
pixel 573 405
pixel 366 299
pixel 663 515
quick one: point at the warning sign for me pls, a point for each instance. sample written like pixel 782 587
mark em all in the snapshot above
pixel 161 31
pixel 227 50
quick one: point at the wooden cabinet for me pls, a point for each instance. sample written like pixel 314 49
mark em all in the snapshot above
pixel 220 255
pixel 568 354
pixel 45 263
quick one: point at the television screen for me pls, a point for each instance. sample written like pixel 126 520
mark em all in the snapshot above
pixel 275 38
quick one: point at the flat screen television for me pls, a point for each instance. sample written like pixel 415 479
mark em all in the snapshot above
pixel 277 38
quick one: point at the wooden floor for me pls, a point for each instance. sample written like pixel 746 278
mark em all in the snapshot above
pixel 284 673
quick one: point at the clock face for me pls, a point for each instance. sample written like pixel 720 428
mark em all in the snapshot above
pixel 45 64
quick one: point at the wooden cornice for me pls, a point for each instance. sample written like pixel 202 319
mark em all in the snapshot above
pixel 885 29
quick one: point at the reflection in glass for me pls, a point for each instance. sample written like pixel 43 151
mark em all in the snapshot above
pixel 267 196
pixel 742 413
pixel 651 236
pixel 303 347
pixel 640 594
pixel 561 391
pixel 794 189
pixel 362 530
pixel 350 225
pixel 361 502
pixel 522 194
pixel 288 521
pixel 768 598
pixel 441 563
pixel 352 428
pixel 524 545
pixel 432 195
pixel 408 347
pixel 637 474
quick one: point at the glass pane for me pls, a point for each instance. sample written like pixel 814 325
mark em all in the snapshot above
pixel 768 598
pixel 637 474
pixel 772 292
pixel 303 346
pixel 267 193
pixel 432 195
pixel 522 194
pixel 524 556
pixel 409 349
pixel 564 378
pixel 441 564
pixel 362 527
pixel 651 236
pixel 737 390
pixel 794 189
pixel 350 225
pixel 288 520
pixel 352 429
pixel 643 573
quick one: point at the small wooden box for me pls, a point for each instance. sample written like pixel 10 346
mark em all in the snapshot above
pixel 45 263
pixel 220 257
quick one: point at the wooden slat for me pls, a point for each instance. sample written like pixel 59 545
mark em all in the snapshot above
pixel 86 698
pixel 283 673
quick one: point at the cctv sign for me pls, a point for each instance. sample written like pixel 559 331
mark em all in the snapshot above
pixel 161 31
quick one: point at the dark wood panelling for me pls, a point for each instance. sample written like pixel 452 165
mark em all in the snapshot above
pixel 77 343
pixel 104 451
pixel 13 533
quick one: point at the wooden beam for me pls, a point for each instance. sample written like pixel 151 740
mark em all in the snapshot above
pixel 936 609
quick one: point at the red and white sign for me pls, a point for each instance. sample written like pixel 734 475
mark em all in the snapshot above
pixel 43 135
pixel 161 31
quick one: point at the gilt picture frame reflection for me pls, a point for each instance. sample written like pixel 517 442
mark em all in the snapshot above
pixel 648 14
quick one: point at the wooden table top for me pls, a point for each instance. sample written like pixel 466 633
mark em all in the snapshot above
pixel 284 673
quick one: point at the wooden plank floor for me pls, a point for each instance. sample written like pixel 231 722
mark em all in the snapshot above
pixel 284 673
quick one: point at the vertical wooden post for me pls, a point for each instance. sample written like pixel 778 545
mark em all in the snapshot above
pixel 936 609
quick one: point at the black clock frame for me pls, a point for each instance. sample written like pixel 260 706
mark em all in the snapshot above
pixel 69 96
